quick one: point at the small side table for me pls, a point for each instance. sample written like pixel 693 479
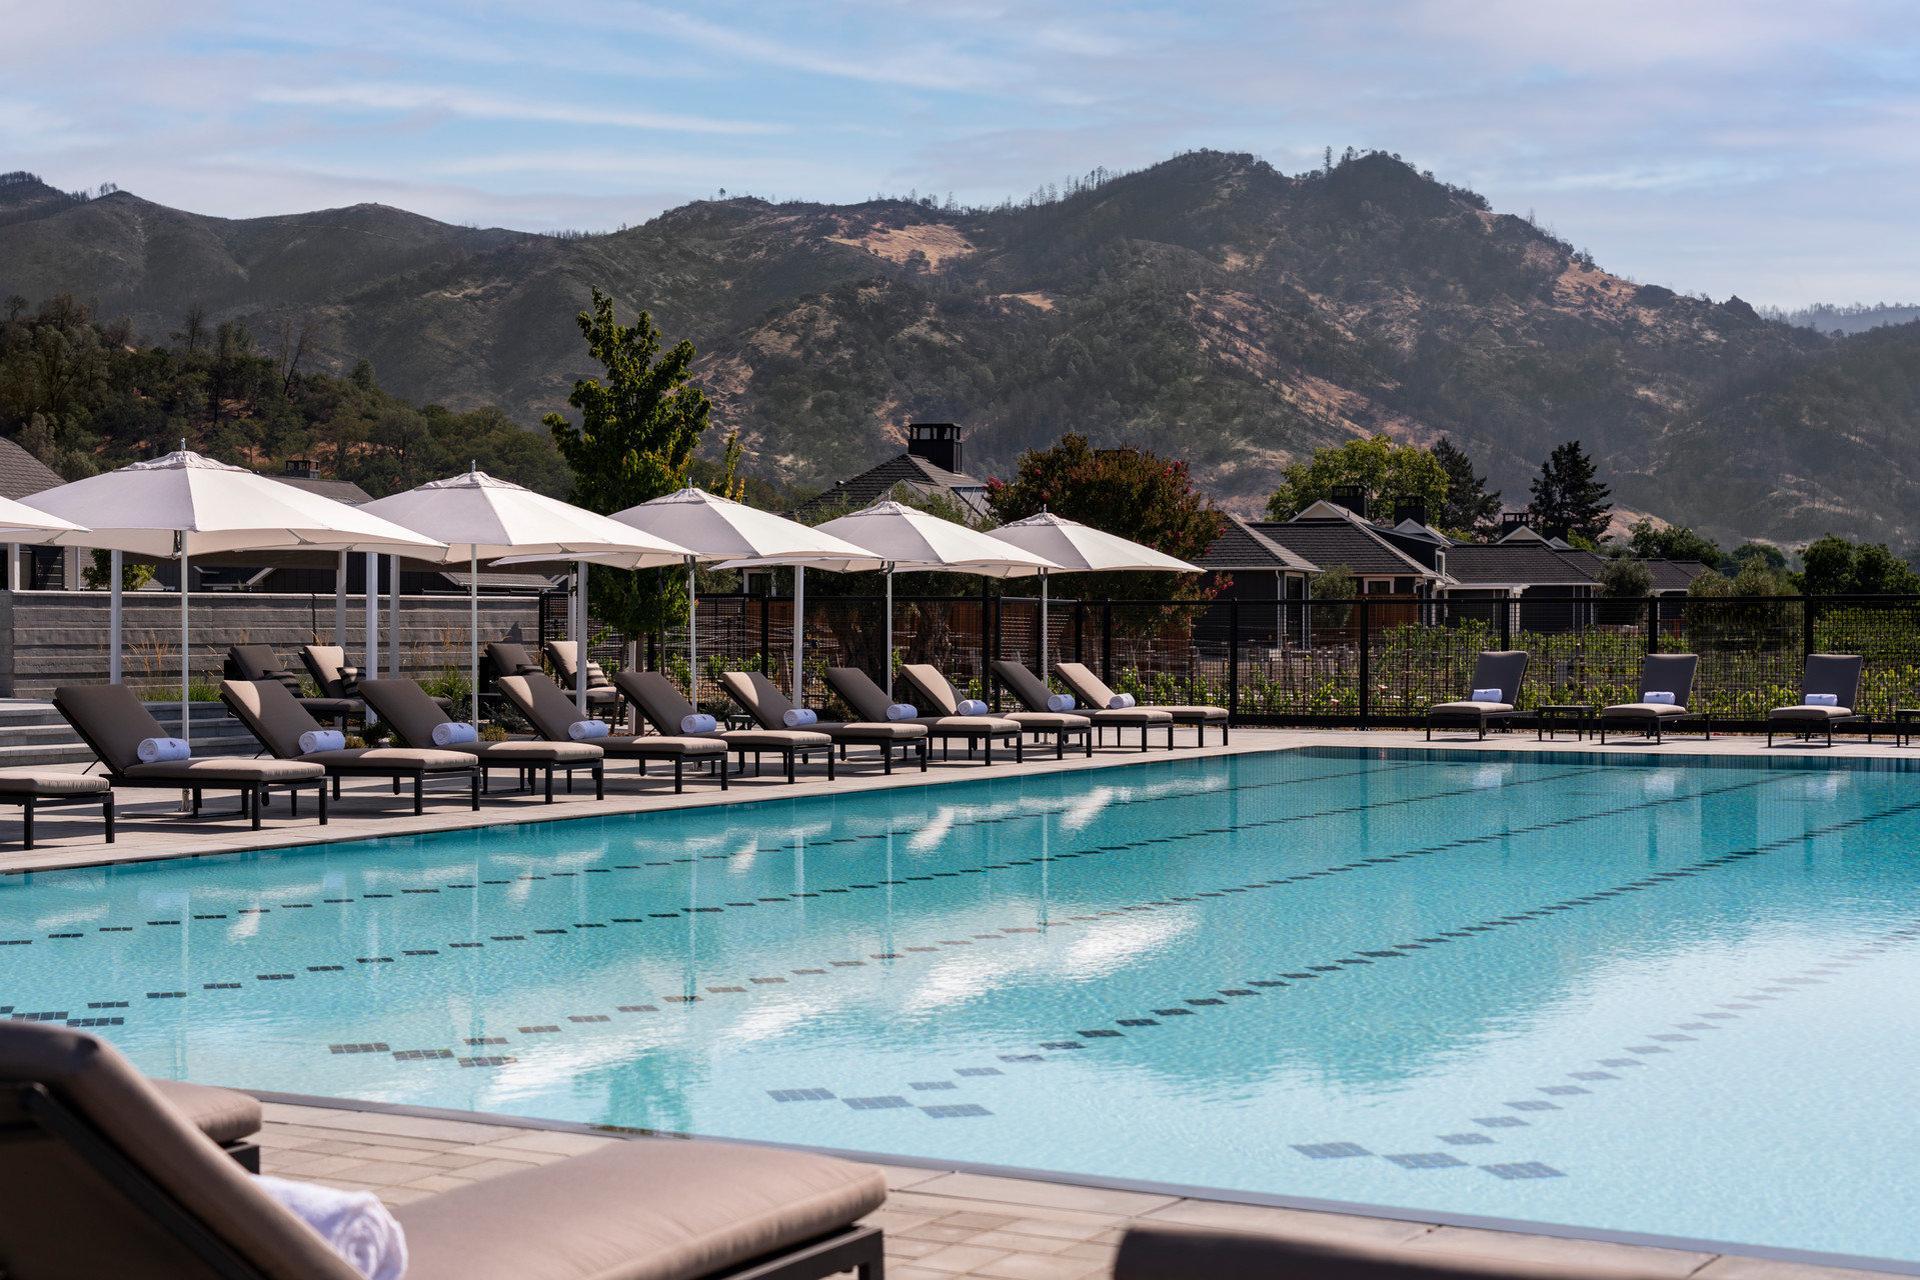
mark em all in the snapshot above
pixel 1550 719
pixel 1904 720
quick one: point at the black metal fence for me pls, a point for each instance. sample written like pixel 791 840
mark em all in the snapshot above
pixel 1379 660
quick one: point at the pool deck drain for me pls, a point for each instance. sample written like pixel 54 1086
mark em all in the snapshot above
pixel 940 1223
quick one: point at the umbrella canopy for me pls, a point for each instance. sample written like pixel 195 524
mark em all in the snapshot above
pixel 21 523
pixel 1077 548
pixel 186 504
pixel 906 538
pixel 481 517
pixel 722 529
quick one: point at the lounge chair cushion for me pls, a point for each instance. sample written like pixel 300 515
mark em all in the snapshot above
pixel 1641 710
pixel 647 1209
pixel 333 708
pixel 386 760
pixel 111 718
pixel 1189 714
pixel 1049 720
pixel 966 726
pixel 868 731
pixel 222 1114
pixel 1132 715
pixel 774 739
pixel 658 699
pixel 220 770
pixel 50 782
pixel 1024 685
pixel 1471 708
pixel 530 751
pixel 1093 692
pixel 1819 715
pixel 660 744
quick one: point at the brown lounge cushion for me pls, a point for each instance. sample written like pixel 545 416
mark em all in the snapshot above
pixel 278 720
pixel 223 770
pixel 222 1114
pixel 647 1209
pixel 665 707
pixel 760 698
pixel 50 782
pixel 552 714
pixel 114 722
pixel 1094 695
pixel 413 715
pixel 857 689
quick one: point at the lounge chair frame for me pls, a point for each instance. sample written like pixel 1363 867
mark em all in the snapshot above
pixel 28 803
pixel 527 770
pixel 1655 722
pixel 739 742
pixel 845 681
pixel 1502 669
pixel 1836 673
pixel 615 746
pixel 854 1248
pixel 844 733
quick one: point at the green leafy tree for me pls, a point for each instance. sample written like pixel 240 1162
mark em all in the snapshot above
pixel 1833 566
pixel 1469 506
pixel 1385 471
pixel 639 427
pixel 1625 579
pixel 1131 493
pixel 1764 553
pixel 1567 494
pixel 1675 542
pixel 1334 582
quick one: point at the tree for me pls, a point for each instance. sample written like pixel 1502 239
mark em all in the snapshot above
pixel 1625 579
pixel 1129 492
pixel 1566 494
pixel 637 434
pixel 1385 471
pixel 1468 506
pixel 1764 553
pixel 1675 542
pixel 1834 566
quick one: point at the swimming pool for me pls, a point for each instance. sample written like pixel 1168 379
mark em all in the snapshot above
pixel 1663 999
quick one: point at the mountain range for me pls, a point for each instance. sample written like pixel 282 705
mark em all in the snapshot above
pixel 1210 307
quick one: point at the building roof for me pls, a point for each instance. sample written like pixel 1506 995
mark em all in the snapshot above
pixel 1522 563
pixel 339 490
pixel 22 475
pixel 1241 548
pixel 1328 535
pixel 875 483
pixel 1674 575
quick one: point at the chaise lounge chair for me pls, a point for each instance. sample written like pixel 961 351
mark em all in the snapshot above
pixel 601 691
pixel 103 1177
pixel 405 706
pixel 113 723
pixel 1093 692
pixel 1834 674
pixel 552 714
pixel 1169 1252
pixel 1501 670
pixel 260 662
pixel 1033 694
pixel 332 675
pixel 857 689
pixel 273 717
pixel 760 698
pixel 1659 673
pixel 31 788
pixel 664 707
pixel 933 687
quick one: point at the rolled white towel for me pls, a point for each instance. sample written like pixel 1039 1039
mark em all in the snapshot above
pixel 1821 700
pixel 322 740
pixel 1486 695
pixel 451 733
pixel 1661 696
pixel 581 730
pixel 698 722
pixel 160 750
pixel 972 707
pixel 1060 702
pixel 901 711
pixel 1120 702
pixel 354 1224
pixel 800 717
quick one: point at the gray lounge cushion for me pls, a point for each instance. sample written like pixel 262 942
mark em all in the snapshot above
pixel 50 782
pixel 1819 715
pixel 112 720
pixel 278 720
pixel 1832 673
pixel 762 699
pixel 857 689
pixel 224 1115
pixel 552 713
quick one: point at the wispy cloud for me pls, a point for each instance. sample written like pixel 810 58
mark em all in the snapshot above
pixel 487 106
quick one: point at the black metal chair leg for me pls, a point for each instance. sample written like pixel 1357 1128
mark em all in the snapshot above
pixel 678 784
pixel 27 822
pixel 473 785
pixel 419 794
pixel 106 814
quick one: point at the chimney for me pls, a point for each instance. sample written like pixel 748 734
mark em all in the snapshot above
pixel 1351 496
pixel 300 468
pixel 937 442
pixel 1414 509
pixel 1511 520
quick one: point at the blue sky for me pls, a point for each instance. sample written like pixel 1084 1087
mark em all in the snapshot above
pixel 1726 146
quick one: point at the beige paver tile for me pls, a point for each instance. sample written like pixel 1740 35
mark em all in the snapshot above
pixel 1037 1245
pixel 899 1177
pixel 552 1142
pixel 959 1257
pixel 427 1127
pixel 1028 1266
pixel 494 1168
pixel 1298 1223
pixel 397 1196
pixel 939 1232
pixel 903 1247
pixel 917 1273
pixel 384 1173
pixel 977 1220
pixel 1512 1245
pixel 1100 1253
pixel 438 1182
pixel 1013 1191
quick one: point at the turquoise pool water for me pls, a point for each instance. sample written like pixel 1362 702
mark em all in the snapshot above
pixel 1668 1000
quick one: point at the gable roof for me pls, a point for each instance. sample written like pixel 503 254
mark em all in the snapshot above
pixel 339 490
pixel 1344 539
pixel 22 475
pixel 1243 548
pixel 1520 563
pixel 911 470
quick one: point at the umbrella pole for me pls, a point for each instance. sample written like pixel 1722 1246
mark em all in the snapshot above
pixel 693 640
pixel 114 621
pixel 370 667
pixel 1043 624
pixel 473 633
pixel 887 637
pixel 580 637
pixel 340 606
pixel 393 617
pixel 186 655
pixel 799 682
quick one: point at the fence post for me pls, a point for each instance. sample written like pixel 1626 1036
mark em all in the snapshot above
pixel 1653 624
pixel 1106 641
pixel 1806 625
pixel 1366 672
pixel 1233 661
pixel 1079 633
pixel 1506 622
pixel 764 601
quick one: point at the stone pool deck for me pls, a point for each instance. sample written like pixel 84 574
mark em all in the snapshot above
pixel 943 1223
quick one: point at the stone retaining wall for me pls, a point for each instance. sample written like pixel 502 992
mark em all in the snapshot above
pixel 51 638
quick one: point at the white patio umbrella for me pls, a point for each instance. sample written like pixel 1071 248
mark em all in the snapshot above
pixel 480 517
pixel 1077 548
pixel 905 538
pixel 186 504
pixel 720 529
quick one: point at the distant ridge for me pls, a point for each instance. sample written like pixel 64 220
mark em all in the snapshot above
pixel 1210 307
